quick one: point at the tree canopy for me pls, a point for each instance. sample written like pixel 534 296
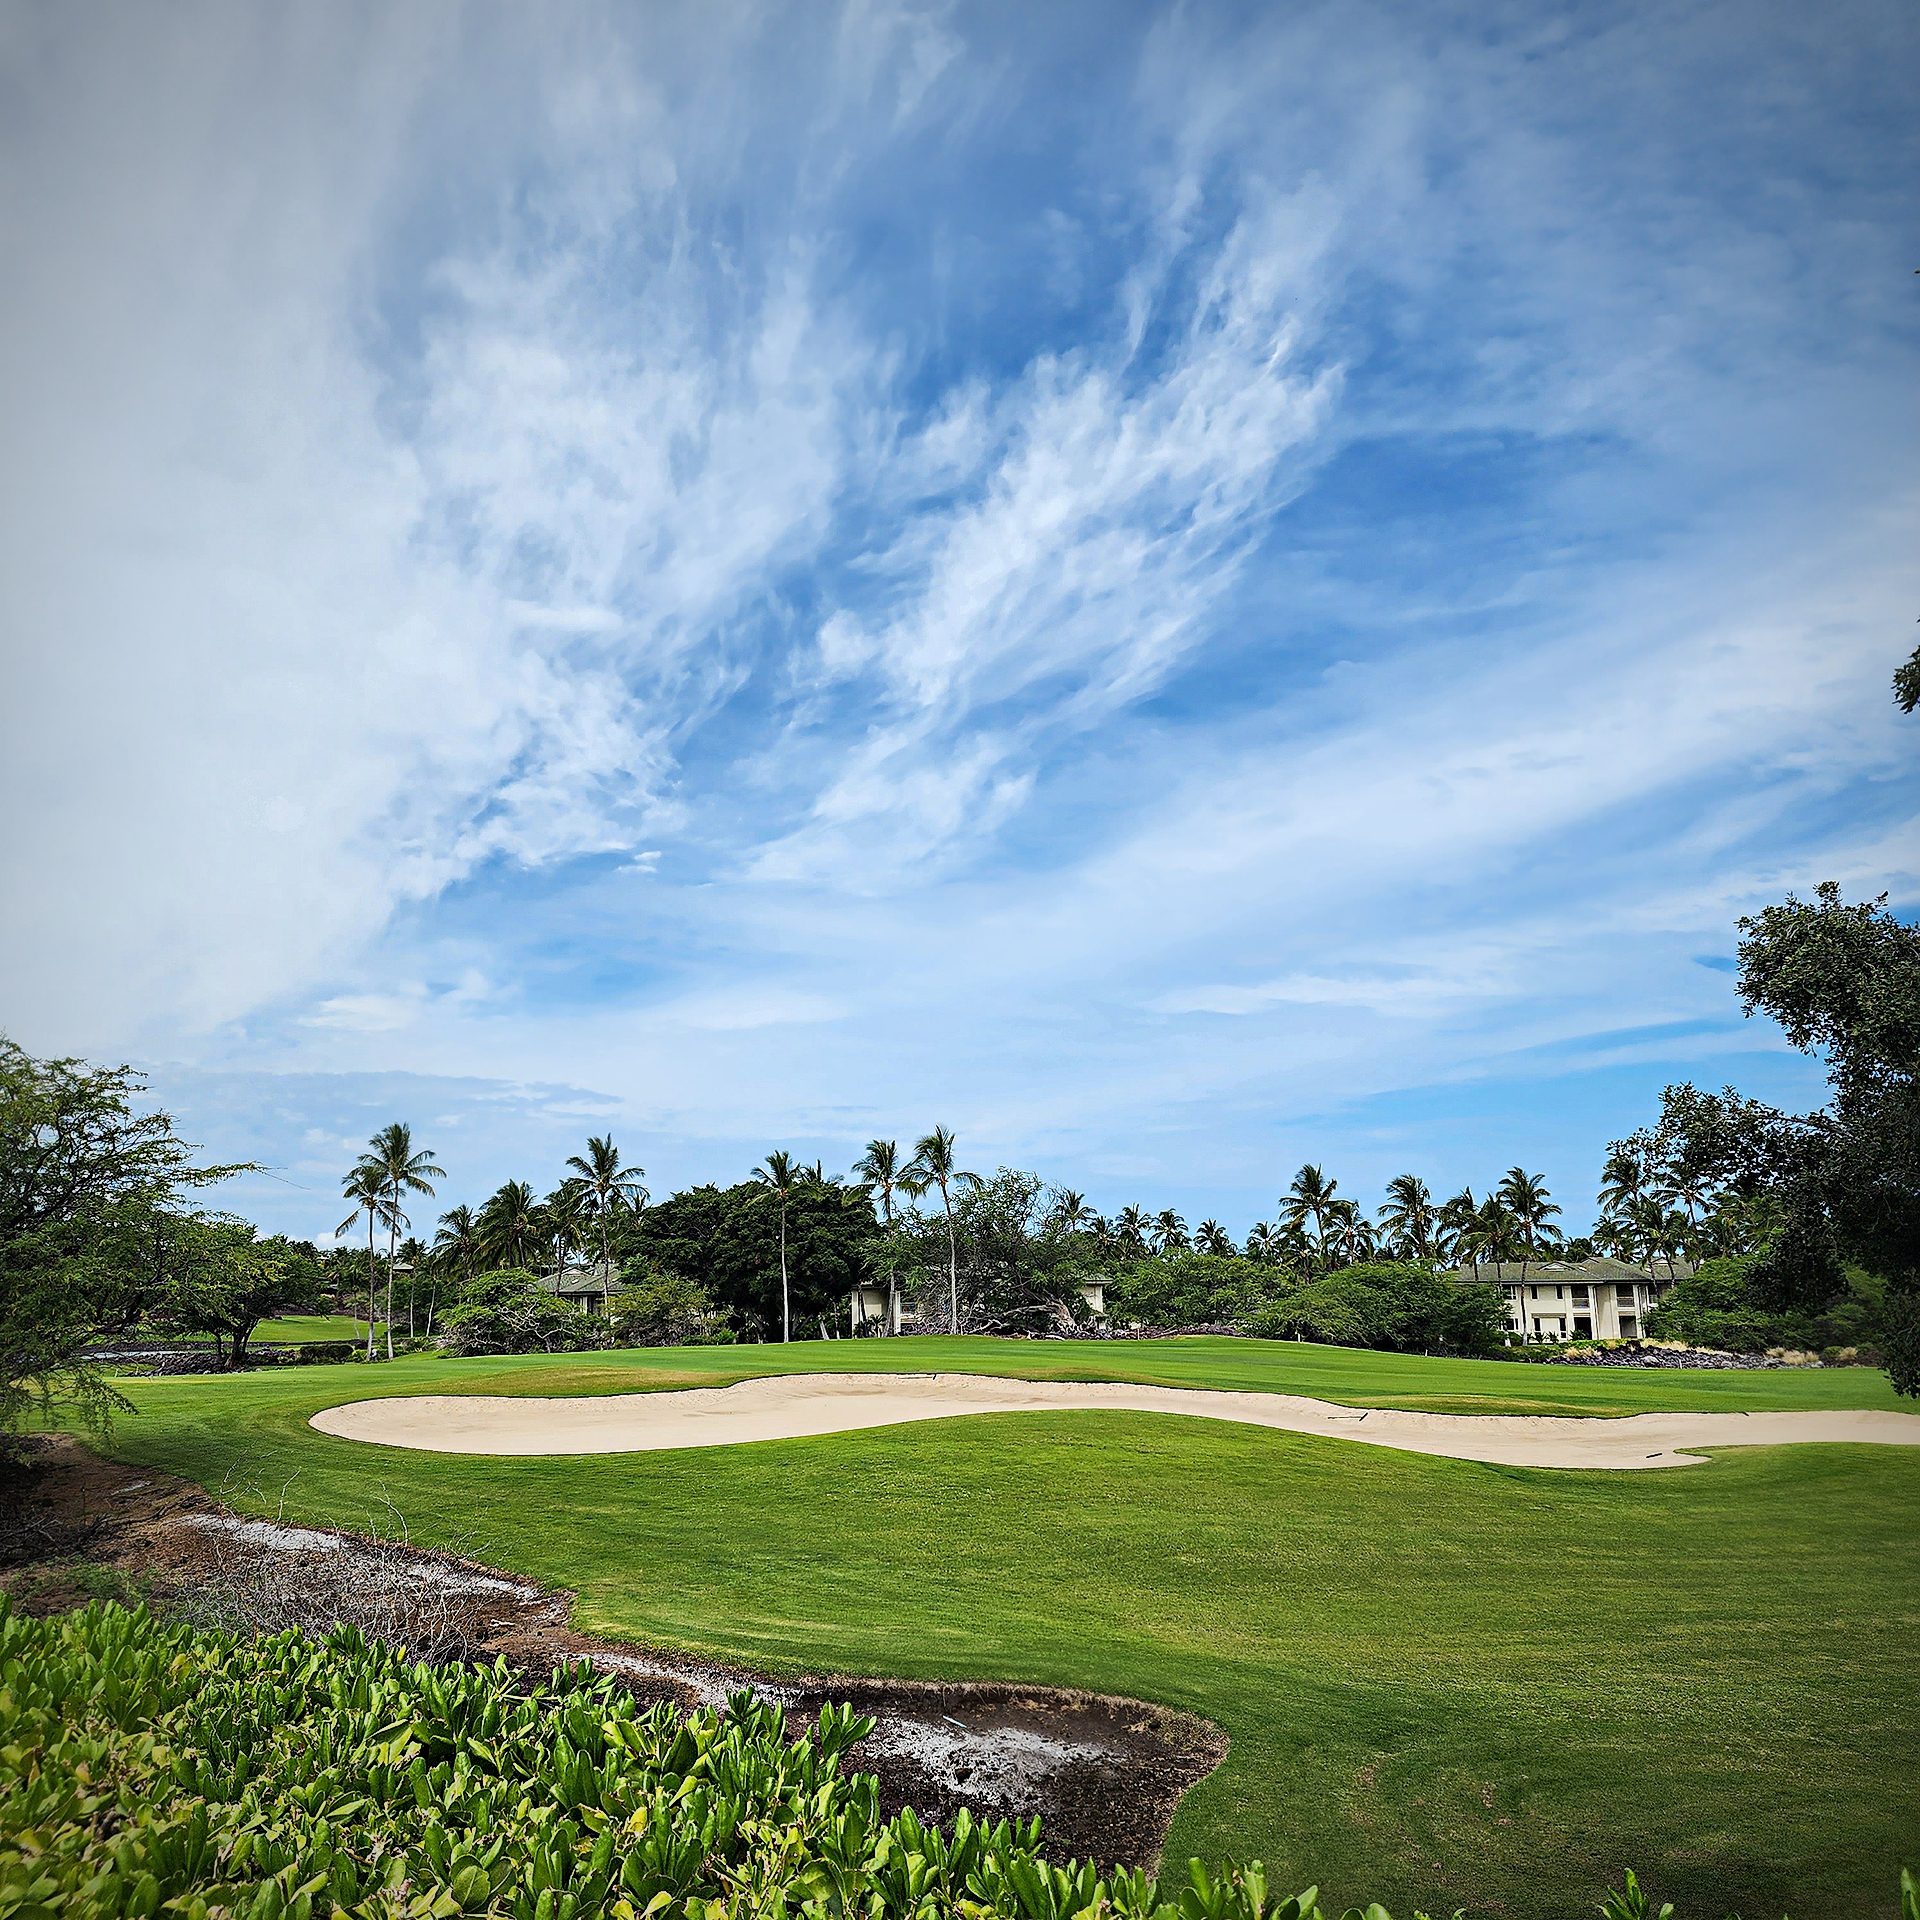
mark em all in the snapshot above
pixel 1844 981
pixel 93 1192
pixel 727 1239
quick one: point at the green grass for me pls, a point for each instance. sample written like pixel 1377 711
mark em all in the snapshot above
pixel 297 1328
pixel 1446 1683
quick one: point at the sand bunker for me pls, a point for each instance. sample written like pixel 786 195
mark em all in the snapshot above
pixel 796 1406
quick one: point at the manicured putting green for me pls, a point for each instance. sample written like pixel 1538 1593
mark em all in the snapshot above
pixel 1446 1683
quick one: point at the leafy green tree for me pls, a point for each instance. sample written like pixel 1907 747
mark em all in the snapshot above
pixel 1196 1289
pixel 1906 683
pixel 1392 1305
pixel 728 1239
pixel 1720 1305
pixel 93 1191
pixel 224 1279
pixel 611 1188
pixel 655 1308
pixel 934 1165
pixel 1017 1266
pixel 1844 980
pixel 509 1311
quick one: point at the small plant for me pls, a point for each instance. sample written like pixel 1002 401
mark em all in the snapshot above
pixel 151 1767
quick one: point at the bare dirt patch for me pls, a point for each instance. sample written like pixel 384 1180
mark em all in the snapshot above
pixel 1103 1773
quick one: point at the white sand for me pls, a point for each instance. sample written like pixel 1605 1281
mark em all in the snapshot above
pixel 794 1406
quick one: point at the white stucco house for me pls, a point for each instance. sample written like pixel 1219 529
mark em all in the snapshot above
pixel 1598 1299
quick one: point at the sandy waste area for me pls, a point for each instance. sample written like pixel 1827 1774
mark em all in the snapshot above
pixel 797 1406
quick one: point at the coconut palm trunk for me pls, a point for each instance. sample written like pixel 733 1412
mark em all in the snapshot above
pixel 373 1281
pixel 786 1299
pixel 953 1262
pixel 393 1253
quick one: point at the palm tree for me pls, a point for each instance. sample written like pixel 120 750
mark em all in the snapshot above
pixel 401 1170
pixel 1409 1216
pixel 610 1187
pixel 565 1214
pixel 1351 1232
pixel 1659 1232
pixel 1622 1182
pixel 1211 1237
pixel 933 1165
pixel 1452 1222
pixel 365 1187
pixel 510 1232
pixel 456 1247
pixel 1492 1233
pixel 878 1170
pixel 1311 1198
pixel 1169 1232
pixel 1130 1230
pixel 1689 1189
pixel 1527 1199
pixel 1071 1212
pixel 779 1180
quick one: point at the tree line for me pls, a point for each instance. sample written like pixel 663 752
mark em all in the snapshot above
pixel 104 1226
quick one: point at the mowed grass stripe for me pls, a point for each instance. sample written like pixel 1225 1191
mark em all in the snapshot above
pixel 1349 1375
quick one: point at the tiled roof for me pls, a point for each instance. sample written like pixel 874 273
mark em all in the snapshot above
pixel 1600 1270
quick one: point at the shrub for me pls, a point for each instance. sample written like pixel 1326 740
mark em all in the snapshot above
pixel 152 1767
pixel 510 1312
pixel 1395 1305
pixel 1195 1289
pixel 1721 1305
pixel 654 1309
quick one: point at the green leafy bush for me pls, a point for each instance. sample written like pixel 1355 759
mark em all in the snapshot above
pixel 1723 1304
pixel 1196 1289
pixel 658 1309
pixel 149 1768
pixel 1392 1304
pixel 509 1311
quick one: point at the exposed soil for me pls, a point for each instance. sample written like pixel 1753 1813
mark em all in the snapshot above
pixel 1104 1774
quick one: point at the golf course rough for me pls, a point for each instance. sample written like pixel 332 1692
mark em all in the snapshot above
pixel 1446 1682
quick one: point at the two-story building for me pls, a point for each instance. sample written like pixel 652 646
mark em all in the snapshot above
pixel 1598 1299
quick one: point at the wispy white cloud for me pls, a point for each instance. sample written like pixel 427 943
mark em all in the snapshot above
pixel 849 568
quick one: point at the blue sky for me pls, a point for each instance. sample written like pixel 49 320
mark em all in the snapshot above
pixel 1177 589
